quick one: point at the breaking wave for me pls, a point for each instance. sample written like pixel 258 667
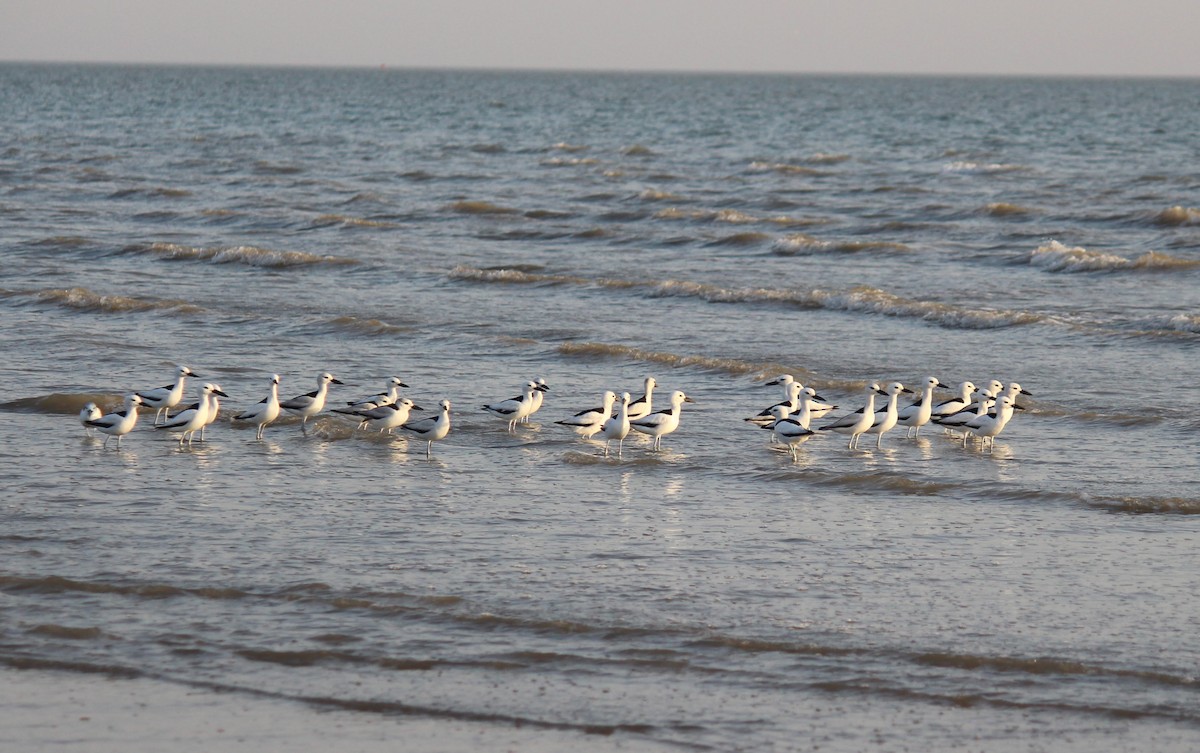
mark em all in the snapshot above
pixel 62 403
pixel 783 168
pixel 1180 323
pixel 251 255
pixel 1178 215
pixel 82 299
pixel 513 276
pixel 800 244
pixel 653 194
pixel 637 150
pixel 523 276
pixel 569 161
pixel 734 366
pixel 357 326
pixel 1057 257
pixel 480 207
pixel 1002 209
pixel 860 299
pixel 1146 505
pixel 327 220
pixel 981 168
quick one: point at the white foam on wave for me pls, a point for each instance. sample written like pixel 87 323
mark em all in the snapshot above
pixel 799 244
pixel 1180 323
pixel 1058 257
pixel 252 255
pixel 569 161
pixel 981 168
pixel 867 299
pixel 82 299
pixel 784 168
pixel 861 299
pixel 1178 215
pixel 654 194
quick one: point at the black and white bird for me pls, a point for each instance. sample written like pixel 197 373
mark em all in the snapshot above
pixel 89 412
pixel 264 411
pixel 804 415
pixel 1014 389
pixel 818 408
pixel 214 410
pixel 987 426
pixel 194 418
pixel 538 398
pixel 662 423
pixel 855 424
pixel 515 408
pixel 984 400
pixel 587 423
pixel 784 382
pixel 162 399
pixel 431 429
pixel 644 405
pixel 886 419
pixel 617 426
pixel 966 391
pixel 792 403
pixel 385 417
pixel 118 423
pixel 918 413
pixel 787 430
pixel 310 404
pixel 387 397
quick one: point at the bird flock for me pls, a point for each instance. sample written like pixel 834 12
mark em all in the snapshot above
pixel 979 412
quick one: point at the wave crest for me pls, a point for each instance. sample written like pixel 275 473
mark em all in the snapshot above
pixel 783 168
pixel 873 300
pixel 981 168
pixel 513 276
pixel 251 255
pixel 862 299
pixel 1148 505
pixel 731 216
pixel 82 299
pixel 1057 257
pixel 1183 323
pixel 358 326
pixel 327 220
pixel 799 244
pixel 1003 209
pixel 1178 215
pixel 62 403
pixel 737 367
pixel 637 150
pixel 569 161
pixel 654 194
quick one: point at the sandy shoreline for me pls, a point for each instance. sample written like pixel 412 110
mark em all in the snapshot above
pixel 44 710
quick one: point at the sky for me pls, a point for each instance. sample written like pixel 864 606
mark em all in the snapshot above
pixel 974 37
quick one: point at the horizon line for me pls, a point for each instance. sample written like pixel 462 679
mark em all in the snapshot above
pixel 384 66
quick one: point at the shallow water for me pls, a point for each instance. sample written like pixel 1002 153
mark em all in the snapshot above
pixel 470 231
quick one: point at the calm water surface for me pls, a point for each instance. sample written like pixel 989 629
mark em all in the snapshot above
pixel 471 231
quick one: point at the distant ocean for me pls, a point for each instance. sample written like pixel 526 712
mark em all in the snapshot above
pixel 470 231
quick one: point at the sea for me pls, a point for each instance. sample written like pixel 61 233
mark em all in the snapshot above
pixel 470 231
